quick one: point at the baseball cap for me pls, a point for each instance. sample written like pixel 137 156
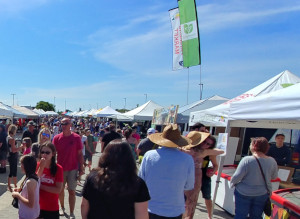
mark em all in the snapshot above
pixel 150 131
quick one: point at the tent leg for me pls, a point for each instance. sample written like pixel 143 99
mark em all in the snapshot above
pixel 220 169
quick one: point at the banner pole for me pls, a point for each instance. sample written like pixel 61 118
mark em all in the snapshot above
pixel 188 85
pixel 201 85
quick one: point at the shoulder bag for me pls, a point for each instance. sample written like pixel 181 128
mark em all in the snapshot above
pixel 267 207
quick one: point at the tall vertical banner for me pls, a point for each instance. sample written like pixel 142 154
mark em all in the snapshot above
pixel 190 33
pixel 177 42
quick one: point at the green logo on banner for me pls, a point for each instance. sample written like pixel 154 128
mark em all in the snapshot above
pixel 188 28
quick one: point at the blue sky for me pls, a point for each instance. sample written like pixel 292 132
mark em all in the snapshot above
pixel 86 53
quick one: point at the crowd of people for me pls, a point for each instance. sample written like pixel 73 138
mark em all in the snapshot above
pixel 160 176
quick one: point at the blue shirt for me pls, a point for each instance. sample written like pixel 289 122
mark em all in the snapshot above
pixel 167 172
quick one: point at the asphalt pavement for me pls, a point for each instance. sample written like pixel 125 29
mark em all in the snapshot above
pixel 7 211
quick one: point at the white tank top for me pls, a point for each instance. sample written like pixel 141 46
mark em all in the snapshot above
pixel 24 210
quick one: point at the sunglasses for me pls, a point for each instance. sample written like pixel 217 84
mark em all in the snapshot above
pixel 45 152
pixel 45 134
pixel 209 144
pixel 65 123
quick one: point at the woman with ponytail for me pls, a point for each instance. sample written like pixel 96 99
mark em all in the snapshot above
pixel 51 175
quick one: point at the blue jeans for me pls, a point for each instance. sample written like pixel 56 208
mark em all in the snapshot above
pixel 252 205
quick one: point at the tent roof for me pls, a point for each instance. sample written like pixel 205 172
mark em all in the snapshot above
pixel 278 109
pixel 5 112
pixel 218 115
pixel 39 111
pixel 143 112
pixel 30 114
pixel 51 113
pixel 107 111
pixel 184 111
pixel 15 113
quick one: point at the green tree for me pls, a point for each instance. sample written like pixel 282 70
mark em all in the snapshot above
pixel 45 106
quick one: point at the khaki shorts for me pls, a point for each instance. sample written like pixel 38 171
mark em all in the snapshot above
pixel 70 177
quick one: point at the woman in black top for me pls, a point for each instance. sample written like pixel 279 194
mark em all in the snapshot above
pixel 113 190
pixel 13 156
pixel 3 149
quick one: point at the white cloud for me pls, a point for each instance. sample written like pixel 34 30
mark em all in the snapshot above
pixel 213 17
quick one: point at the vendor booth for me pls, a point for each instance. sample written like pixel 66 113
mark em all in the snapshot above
pixel 286 204
pixel 143 112
pixel 278 109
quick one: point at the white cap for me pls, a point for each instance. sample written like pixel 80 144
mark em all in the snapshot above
pixel 150 131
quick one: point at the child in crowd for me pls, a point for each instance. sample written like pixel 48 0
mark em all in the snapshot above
pixel 28 193
pixel 27 145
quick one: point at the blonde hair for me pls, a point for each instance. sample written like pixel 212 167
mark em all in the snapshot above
pixel 12 129
pixel 41 132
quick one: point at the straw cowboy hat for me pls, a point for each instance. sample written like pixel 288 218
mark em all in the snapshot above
pixel 170 137
pixel 197 138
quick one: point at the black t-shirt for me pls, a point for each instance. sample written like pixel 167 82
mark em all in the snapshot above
pixel 146 145
pixel 33 136
pixel 35 149
pixel 282 155
pixel 106 207
pixel 4 143
pixel 108 137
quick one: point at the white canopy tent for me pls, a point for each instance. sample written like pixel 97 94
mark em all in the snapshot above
pixel 5 112
pixel 41 112
pixel 143 112
pixel 120 117
pixel 184 111
pixel 28 112
pixel 278 109
pixel 107 111
pixel 15 113
pixel 218 115
pixel 51 113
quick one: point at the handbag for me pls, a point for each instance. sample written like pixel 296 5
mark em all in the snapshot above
pixel 268 206
pixel 15 203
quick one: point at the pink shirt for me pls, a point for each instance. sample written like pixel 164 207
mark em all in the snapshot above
pixel 27 151
pixel 67 148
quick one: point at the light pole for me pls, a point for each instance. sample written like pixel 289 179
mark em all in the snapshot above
pixel 13 99
pixel 125 102
pixel 109 103
pixel 201 90
pixel 54 103
pixel 146 97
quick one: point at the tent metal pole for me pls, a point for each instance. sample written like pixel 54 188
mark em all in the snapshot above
pixel 220 169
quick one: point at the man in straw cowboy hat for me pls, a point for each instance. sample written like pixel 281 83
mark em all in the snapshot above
pixel 168 172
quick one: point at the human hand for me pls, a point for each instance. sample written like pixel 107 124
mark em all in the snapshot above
pixel 42 162
pixel 210 172
pixel 17 190
pixel 15 194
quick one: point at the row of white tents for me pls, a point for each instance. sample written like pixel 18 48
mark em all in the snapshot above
pixel 215 111
pixel 22 112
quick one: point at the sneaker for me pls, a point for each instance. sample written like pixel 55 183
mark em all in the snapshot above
pixel 62 212
pixel 72 216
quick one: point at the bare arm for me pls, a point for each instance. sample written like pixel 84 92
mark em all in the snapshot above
pixel 141 210
pixel 85 207
pixel 102 146
pixel 40 170
pixel 14 149
pixel 80 158
pixel 214 162
pixel 211 152
pixel 31 185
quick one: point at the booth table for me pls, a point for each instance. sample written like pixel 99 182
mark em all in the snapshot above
pixel 286 204
pixel 225 194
